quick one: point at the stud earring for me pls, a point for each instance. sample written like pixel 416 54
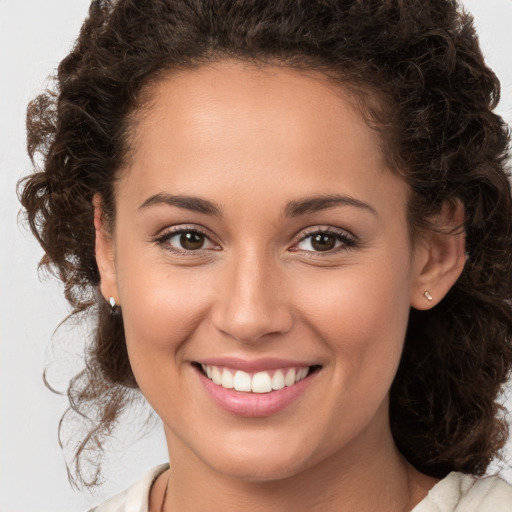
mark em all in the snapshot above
pixel 113 305
pixel 428 296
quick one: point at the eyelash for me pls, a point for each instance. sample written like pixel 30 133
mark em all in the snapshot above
pixel 164 238
pixel 347 241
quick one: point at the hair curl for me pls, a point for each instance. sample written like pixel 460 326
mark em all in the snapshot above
pixel 422 61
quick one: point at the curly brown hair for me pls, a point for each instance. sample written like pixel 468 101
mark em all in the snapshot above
pixel 421 61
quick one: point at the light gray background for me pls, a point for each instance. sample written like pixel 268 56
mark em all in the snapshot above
pixel 34 36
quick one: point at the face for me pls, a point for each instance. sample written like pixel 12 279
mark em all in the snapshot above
pixel 262 243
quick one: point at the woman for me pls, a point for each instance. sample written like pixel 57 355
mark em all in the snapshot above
pixel 292 222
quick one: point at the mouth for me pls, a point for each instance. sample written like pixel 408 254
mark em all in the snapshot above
pixel 255 382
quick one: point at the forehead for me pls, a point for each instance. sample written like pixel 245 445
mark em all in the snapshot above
pixel 223 126
pixel 194 99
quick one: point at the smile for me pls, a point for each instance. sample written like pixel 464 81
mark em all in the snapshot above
pixel 257 388
pixel 259 382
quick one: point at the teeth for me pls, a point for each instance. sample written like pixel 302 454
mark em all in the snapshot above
pixel 216 376
pixel 301 374
pixel 227 379
pixel 278 380
pixel 289 380
pixel 260 382
pixel 242 381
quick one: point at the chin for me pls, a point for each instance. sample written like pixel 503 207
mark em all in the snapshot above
pixel 251 463
pixel 259 470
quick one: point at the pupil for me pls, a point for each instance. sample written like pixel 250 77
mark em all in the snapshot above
pixel 191 241
pixel 323 242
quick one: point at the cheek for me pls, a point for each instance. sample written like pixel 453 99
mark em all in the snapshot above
pixel 360 313
pixel 162 307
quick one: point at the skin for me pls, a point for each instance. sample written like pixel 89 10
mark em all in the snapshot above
pixel 251 141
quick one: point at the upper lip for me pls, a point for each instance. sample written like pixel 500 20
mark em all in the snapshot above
pixel 254 365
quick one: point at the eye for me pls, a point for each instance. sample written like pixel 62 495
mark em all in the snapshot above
pixel 319 242
pixel 186 240
pixel 325 241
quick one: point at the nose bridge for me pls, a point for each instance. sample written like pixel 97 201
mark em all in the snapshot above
pixel 252 303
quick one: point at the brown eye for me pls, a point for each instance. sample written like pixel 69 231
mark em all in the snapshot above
pixel 186 241
pixel 323 242
pixel 191 240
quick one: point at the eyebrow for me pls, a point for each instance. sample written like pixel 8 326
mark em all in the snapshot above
pixel 294 208
pixel 324 202
pixel 195 204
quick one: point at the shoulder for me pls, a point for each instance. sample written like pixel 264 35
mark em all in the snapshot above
pixel 135 498
pixel 465 493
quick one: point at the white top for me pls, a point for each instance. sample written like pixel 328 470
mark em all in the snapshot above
pixel 455 493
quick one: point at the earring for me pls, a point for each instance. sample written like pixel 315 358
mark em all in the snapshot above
pixel 428 296
pixel 113 305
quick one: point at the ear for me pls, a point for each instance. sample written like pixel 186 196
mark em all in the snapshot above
pixel 104 246
pixel 439 257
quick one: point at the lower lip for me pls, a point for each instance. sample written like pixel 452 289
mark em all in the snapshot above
pixel 254 405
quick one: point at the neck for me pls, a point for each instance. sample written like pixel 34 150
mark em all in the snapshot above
pixel 365 477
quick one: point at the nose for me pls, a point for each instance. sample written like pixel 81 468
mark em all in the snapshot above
pixel 251 305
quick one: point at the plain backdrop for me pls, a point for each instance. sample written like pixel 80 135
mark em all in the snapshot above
pixel 34 36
